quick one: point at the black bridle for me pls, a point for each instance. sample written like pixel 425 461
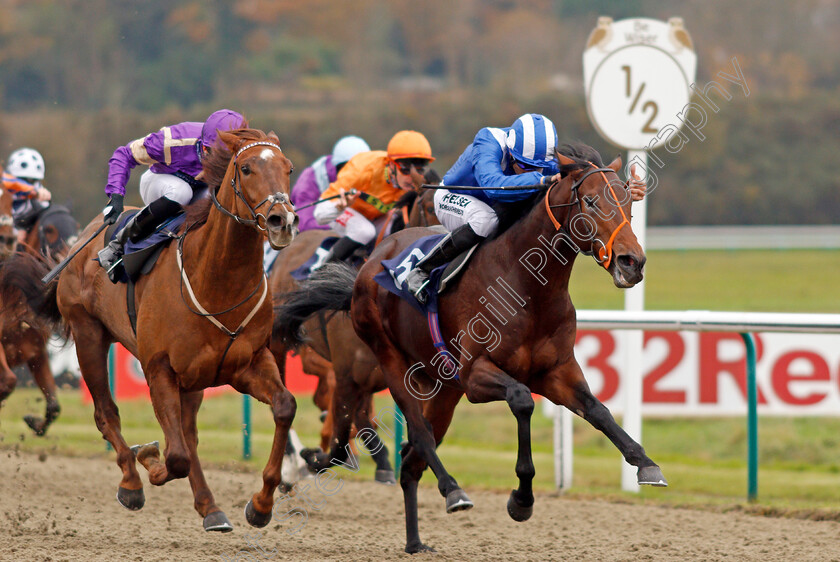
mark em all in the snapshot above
pixel 278 198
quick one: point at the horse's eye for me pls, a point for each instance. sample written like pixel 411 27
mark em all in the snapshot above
pixel 291 170
pixel 246 169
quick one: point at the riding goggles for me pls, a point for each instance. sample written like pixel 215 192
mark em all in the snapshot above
pixel 404 165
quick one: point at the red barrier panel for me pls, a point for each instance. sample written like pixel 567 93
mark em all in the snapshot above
pixel 130 383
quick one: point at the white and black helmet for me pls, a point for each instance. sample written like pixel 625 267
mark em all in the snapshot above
pixel 26 163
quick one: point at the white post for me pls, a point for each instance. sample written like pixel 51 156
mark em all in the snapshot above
pixel 634 299
pixel 562 448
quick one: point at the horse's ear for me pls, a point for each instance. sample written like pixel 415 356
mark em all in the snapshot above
pixel 615 165
pixel 273 136
pixel 564 160
pixel 229 139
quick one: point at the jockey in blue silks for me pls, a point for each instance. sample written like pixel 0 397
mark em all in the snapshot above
pixel 519 155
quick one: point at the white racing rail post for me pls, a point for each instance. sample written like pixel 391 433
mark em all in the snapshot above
pixel 745 323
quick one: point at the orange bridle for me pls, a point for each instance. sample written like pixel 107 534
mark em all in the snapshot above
pixel 605 252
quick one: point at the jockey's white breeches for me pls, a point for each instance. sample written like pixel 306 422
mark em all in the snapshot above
pixel 454 210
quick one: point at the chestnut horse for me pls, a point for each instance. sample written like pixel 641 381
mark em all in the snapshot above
pixel 216 266
pixel 24 338
pixel 522 343
pixel 346 385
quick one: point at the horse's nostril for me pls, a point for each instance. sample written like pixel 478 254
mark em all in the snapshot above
pixel 628 262
pixel 275 221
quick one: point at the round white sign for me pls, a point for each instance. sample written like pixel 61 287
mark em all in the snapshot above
pixel 637 74
pixel 634 92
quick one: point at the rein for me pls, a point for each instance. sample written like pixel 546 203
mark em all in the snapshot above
pixel 275 198
pixel 605 252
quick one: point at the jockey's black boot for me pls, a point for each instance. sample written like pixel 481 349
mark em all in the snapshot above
pixel 450 247
pixel 342 249
pixel 144 223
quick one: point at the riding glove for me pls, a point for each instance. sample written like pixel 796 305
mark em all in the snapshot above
pixel 114 209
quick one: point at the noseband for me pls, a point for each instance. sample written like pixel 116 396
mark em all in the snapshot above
pixel 277 198
pixel 605 251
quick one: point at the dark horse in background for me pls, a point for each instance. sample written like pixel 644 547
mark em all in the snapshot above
pixel 51 232
pixel 203 319
pixel 526 346
pixel 347 370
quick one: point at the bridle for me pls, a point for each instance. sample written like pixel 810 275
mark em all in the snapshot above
pixel 605 251
pixel 277 198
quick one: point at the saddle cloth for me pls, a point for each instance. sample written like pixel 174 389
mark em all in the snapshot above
pixel 398 268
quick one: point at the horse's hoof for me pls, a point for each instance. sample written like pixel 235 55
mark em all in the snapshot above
pixel 414 548
pixel 38 425
pixel 316 459
pixel 385 477
pixel 254 517
pixel 517 511
pixel 457 500
pixel 136 448
pixel 217 521
pixel 651 476
pixel 133 500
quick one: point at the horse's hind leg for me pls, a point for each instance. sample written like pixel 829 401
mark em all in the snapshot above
pixel 92 350
pixel 568 387
pixel 166 401
pixel 488 383
pixel 378 451
pixel 262 381
pixel 39 365
pixel 205 504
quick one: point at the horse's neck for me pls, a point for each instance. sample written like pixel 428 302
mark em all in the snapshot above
pixel 225 251
pixel 524 246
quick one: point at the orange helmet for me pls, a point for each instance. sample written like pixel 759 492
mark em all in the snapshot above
pixel 409 144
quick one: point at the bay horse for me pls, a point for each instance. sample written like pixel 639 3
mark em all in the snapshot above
pixel 215 266
pixel 23 336
pixel 347 370
pixel 52 233
pixel 520 342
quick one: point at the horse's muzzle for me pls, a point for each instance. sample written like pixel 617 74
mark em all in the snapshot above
pixel 628 270
pixel 282 229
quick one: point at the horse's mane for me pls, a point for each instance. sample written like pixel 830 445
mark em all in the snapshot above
pixel 582 154
pixel 215 167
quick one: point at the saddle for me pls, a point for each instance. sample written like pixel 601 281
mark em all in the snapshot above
pixel 140 257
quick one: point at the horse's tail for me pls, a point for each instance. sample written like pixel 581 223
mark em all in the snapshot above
pixel 21 288
pixel 328 288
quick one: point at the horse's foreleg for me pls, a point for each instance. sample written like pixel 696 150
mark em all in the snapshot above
pixel 567 386
pixel 488 383
pixel 166 401
pixel 205 504
pixel 92 350
pixel 41 372
pixel 342 409
pixel 262 381
pixel 439 409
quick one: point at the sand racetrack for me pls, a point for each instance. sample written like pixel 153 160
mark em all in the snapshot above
pixel 63 508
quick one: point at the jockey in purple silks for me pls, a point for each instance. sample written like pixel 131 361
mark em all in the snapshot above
pixel 174 155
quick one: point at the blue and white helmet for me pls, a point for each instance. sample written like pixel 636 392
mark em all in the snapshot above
pixel 531 140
